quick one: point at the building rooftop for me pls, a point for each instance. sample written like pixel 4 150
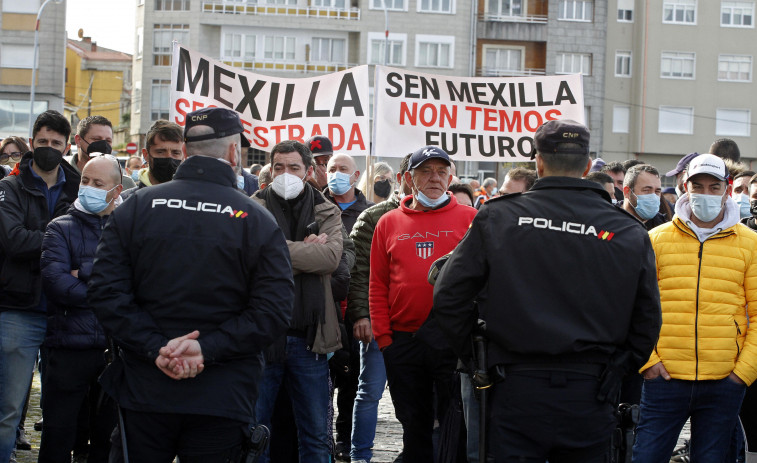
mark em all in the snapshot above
pixel 89 50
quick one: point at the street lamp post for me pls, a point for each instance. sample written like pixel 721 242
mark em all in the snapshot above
pixel 34 63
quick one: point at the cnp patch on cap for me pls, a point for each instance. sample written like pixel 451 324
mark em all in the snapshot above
pixel 224 123
pixel 428 152
pixel 707 164
pixel 563 136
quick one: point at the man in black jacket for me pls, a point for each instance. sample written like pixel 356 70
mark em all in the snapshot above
pixel 562 331
pixel 204 286
pixel 41 189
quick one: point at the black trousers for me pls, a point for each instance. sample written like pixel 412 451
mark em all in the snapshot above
pixel 160 437
pixel 347 385
pixel 71 379
pixel 414 371
pixel 542 415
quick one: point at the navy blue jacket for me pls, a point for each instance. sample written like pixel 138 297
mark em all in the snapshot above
pixel 24 215
pixel 69 244
pixel 250 182
pixel 194 253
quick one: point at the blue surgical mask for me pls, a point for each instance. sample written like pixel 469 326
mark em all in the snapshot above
pixel 339 182
pixel 706 207
pixel 135 174
pixel 240 182
pixel 93 199
pixel 744 207
pixel 647 206
pixel 428 202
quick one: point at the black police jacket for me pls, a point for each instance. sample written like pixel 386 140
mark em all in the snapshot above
pixel 194 253
pixel 567 277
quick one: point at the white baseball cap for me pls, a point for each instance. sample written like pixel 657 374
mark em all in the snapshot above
pixel 707 164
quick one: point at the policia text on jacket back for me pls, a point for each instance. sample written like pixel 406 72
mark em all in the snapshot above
pixel 572 304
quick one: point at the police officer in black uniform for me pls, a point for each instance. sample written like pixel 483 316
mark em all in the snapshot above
pixel 571 305
pixel 192 280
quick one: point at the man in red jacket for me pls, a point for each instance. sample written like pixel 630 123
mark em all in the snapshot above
pixel 407 240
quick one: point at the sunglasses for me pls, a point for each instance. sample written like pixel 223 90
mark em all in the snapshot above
pixel 16 156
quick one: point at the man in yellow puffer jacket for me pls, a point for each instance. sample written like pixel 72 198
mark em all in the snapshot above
pixel 706 354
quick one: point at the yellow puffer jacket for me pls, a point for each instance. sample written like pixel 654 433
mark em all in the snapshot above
pixel 704 290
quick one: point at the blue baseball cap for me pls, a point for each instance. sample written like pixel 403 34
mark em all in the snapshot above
pixel 428 152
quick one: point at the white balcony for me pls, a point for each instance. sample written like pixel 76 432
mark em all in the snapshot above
pixel 224 7
pixel 494 72
pixel 531 19
pixel 286 66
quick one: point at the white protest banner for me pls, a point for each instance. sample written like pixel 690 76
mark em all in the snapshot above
pixel 471 118
pixel 273 109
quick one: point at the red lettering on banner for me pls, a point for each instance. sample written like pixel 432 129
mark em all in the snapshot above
pixel 180 104
pixel 451 118
pixel 405 112
pixel 490 117
pixel 552 114
pixel 260 133
pixel 296 136
pixel 338 143
pixel 278 129
pixel 528 118
pixel 356 137
pixel 512 125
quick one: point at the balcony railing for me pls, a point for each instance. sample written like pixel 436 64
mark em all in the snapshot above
pixel 264 65
pixel 494 72
pixel 534 19
pixel 219 6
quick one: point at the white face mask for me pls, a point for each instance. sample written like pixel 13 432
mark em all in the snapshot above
pixel 288 186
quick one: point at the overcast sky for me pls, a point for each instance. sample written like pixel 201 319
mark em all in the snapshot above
pixel 110 23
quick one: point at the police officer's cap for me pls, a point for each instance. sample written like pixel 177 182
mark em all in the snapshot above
pixel 563 136
pixel 224 122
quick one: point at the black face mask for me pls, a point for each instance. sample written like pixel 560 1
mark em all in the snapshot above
pixel 753 208
pixel 47 158
pixel 163 168
pixel 99 146
pixel 383 188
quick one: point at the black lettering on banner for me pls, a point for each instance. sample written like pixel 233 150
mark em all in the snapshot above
pixel 249 97
pixel 347 85
pixel 522 149
pixel 462 95
pixel 497 97
pixel 564 93
pixel 285 111
pixel 429 87
pixel 273 101
pixel 390 79
pixel 185 66
pixel 523 101
pixel 218 84
pixel 410 85
pixel 540 96
pixel 311 111
pixel 479 92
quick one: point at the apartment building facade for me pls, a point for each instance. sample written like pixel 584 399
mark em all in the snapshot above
pixel 17 23
pixel 679 76
pixel 295 38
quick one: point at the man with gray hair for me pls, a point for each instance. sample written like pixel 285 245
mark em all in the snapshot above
pixel 642 188
pixel 205 285
pixel 486 192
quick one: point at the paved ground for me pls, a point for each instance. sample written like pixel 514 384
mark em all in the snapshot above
pixel 387 445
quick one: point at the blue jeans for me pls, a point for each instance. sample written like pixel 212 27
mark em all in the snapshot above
pixel 306 377
pixel 472 417
pixel 21 334
pixel 665 405
pixel 371 385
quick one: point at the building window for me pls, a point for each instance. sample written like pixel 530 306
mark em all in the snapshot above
pixel 21 6
pixel 398 5
pixel 732 122
pixel 622 64
pixel 677 65
pixel 679 11
pixel 327 50
pixel 573 63
pixel 506 8
pixel 621 119
pixel 279 48
pixel 160 99
pixel 575 10
pixel 340 4
pixel 172 5
pixel 625 11
pixel 435 6
pixel 17 56
pixel 676 119
pixel 434 51
pixel 396 48
pixel 140 41
pixel 162 36
pixel 737 14
pixel 500 61
pixel 239 46
pixel 735 68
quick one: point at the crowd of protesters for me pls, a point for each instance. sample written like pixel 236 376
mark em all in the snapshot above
pixel 161 327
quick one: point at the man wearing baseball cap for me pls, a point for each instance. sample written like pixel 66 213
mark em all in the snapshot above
pixel 427 225
pixel 678 172
pixel 322 150
pixel 562 333
pixel 204 286
pixel 707 351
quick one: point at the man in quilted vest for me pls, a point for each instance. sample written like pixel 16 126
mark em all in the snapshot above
pixel 706 354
